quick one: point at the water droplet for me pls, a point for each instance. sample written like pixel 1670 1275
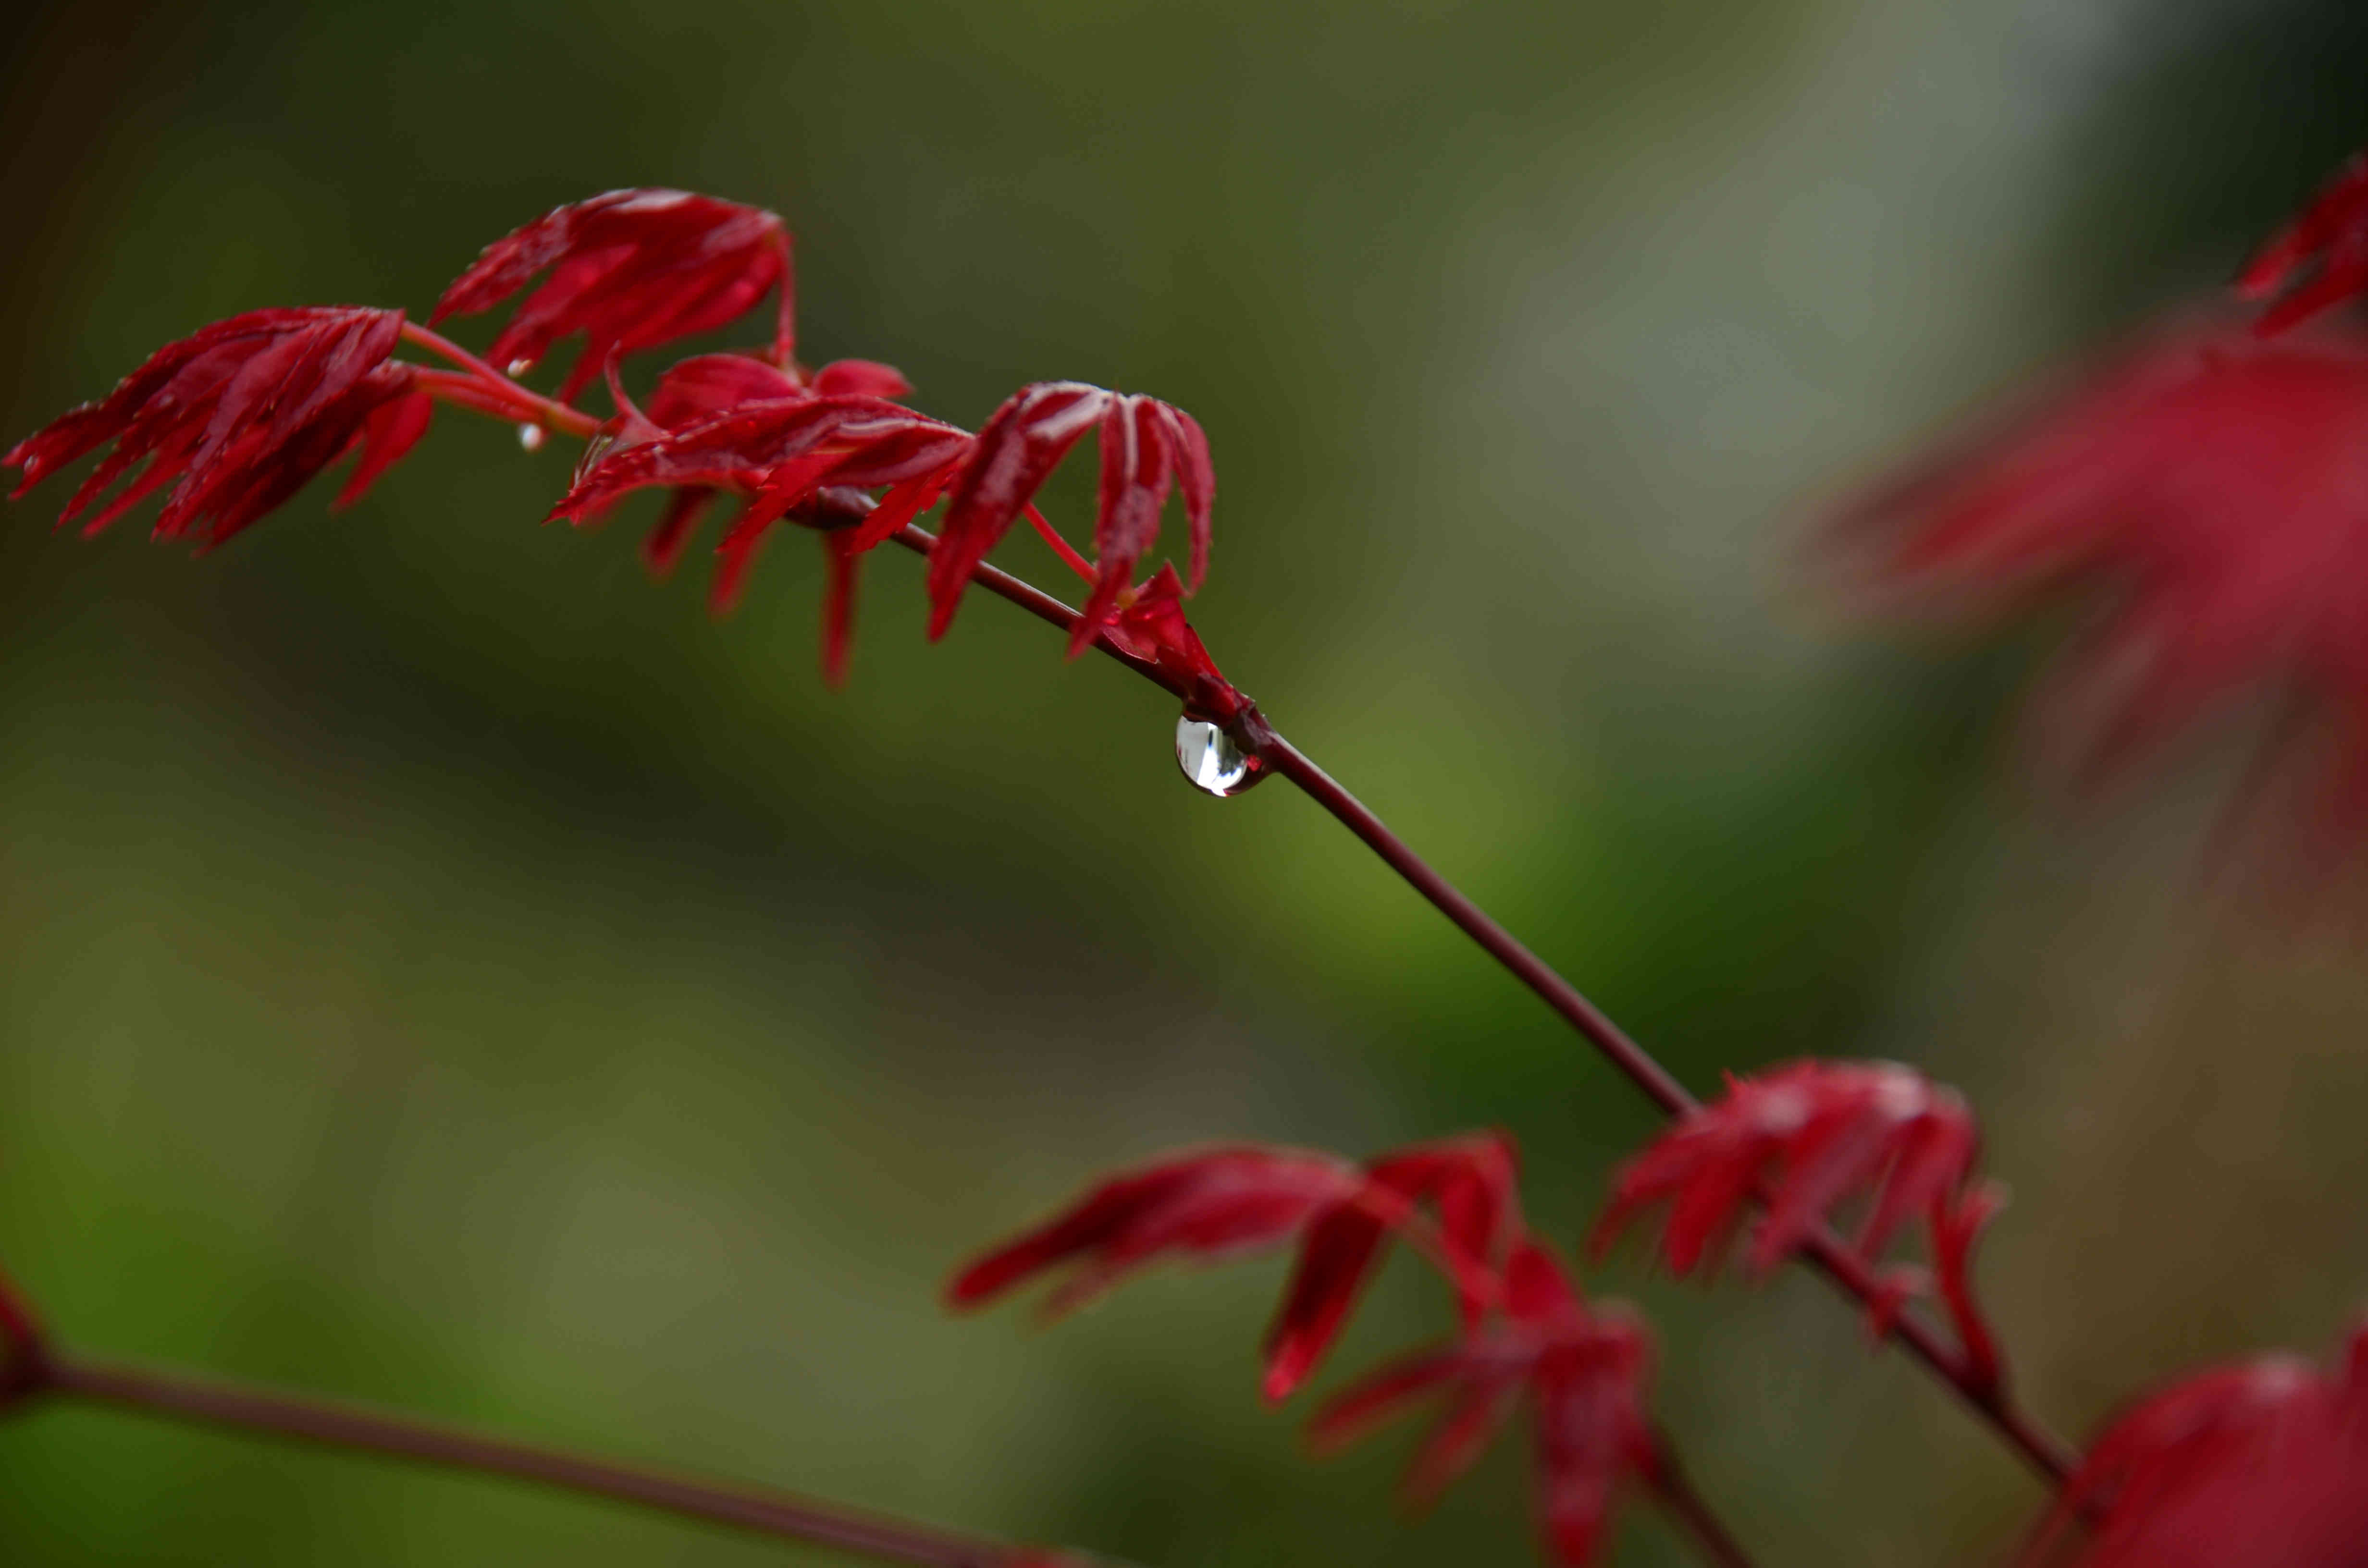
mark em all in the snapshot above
pixel 531 436
pixel 1210 760
pixel 520 367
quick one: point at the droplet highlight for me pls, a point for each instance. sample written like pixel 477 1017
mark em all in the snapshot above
pixel 531 436
pixel 1210 760
pixel 520 367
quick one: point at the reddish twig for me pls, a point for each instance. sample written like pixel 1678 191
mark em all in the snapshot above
pixel 2048 1454
pixel 506 398
pixel 204 1402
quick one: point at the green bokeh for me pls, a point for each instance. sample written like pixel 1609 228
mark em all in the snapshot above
pixel 438 967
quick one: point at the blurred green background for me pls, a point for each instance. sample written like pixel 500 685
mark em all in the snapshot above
pixel 438 967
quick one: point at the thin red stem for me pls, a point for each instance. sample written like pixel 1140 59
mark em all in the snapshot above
pixel 1824 1251
pixel 204 1402
pixel 1061 547
pixel 464 390
pixel 531 405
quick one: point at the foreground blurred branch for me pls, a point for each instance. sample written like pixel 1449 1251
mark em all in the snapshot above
pixel 34 1373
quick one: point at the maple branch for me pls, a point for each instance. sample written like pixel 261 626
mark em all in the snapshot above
pixel 1974 1381
pixel 206 1401
pixel 1981 1390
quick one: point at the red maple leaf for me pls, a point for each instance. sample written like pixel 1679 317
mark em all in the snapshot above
pixel 1148 447
pixel 1210 1205
pixel 705 385
pixel 2264 1462
pixel 1816 1131
pixel 1228 1202
pixel 809 450
pixel 799 456
pixel 2333 233
pixel 726 423
pixel 2212 493
pixel 630 269
pixel 1473 1182
pixel 1584 1374
pixel 237 418
pixel 1806 1138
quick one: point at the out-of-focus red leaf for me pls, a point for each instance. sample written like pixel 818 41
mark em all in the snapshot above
pixel 1957 1224
pixel 2263 1463
pixel 2333 232
pixel 237 418
pixel 1470 1180
pixel 1342 1245
pixel 1213 1204
pixel 1584 1375
pixel 1807 1138
pixel 1588 1395
pixel 2207 491
pixel 1819 1132
pixel 630 269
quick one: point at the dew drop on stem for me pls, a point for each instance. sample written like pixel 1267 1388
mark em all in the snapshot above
pixel 1210 760
pixel 531 436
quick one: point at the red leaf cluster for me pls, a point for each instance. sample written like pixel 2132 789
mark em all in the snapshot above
pixel 1148 447
pixel 2208 489
pixel 237 418
pixel 1526 1334
pixel 2332 231
pixel 1586 1375
pixel 630 269
pixel 807 451
pixel 725 423
pixel 1803 1139
pixel 2264 1462
pixel 704 387
pixel 1217 1204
